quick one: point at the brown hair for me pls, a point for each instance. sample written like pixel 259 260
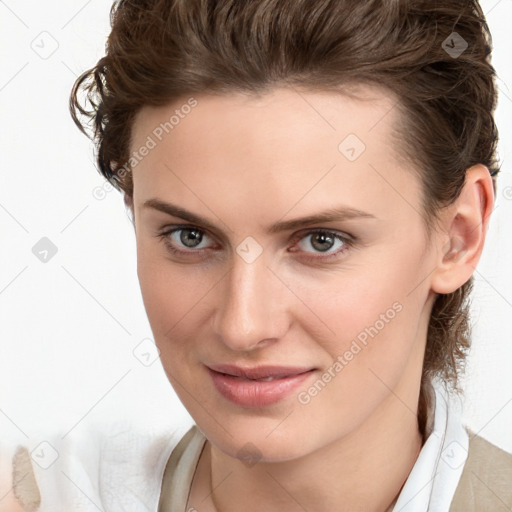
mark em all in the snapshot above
pixel 161 50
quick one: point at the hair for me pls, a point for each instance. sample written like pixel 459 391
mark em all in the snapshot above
pixel 161 50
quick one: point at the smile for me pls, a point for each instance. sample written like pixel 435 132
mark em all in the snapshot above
pixel 257 392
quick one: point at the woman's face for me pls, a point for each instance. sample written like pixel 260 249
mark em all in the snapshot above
pixel 252 279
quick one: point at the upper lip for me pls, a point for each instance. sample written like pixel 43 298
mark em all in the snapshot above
pixel 259 372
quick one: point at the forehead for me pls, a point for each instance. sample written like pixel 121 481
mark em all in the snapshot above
pixel 357 109
pixel 284 124
pixel 282 148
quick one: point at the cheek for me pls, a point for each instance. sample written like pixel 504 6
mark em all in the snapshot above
pixel 373 344
pixel 370 326
pixel 370 313
pixel 174 298
pixel 172 293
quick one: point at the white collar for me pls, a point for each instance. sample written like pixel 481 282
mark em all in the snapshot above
pixel 432 482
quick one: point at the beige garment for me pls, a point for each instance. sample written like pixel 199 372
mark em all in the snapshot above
pixel 485 484
pixel 24 485
pixel 179 471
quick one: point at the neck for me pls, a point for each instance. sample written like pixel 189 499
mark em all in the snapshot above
pixel 363 471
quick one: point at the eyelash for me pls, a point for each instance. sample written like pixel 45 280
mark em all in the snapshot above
pixel 348 241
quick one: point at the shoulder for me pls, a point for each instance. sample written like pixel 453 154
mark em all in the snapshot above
pixel 486 480
pixel 111 466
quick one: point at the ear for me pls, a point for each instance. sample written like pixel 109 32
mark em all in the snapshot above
pixel 128 202
pixel 465 225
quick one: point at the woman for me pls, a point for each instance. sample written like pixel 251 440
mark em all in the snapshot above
pixel 310 185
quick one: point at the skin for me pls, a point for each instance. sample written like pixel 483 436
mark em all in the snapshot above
pixel 245 163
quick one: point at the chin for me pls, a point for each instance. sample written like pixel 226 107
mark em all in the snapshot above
pixel 261 439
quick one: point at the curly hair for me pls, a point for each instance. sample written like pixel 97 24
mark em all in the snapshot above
pixel 434 57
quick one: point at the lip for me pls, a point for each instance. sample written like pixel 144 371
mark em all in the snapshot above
pixel 238 385
pixel 259 372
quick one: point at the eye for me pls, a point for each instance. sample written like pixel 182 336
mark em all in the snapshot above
pixel 318 244
pixel 185 239
pixel 321 241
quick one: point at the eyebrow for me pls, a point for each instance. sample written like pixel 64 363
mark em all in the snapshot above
pixel 330 215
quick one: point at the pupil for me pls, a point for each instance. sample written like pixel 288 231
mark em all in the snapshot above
pixel 322 242
pixel 190 237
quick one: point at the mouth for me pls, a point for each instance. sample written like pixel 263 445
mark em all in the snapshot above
pixel 266 372
pixel 258 386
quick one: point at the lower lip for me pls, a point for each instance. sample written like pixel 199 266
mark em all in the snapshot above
pixel 254 393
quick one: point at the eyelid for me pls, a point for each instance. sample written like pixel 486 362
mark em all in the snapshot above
pixel 168 230
pixel 308 231
pixel 348 241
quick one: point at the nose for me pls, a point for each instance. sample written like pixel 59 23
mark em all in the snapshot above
pixel 252 308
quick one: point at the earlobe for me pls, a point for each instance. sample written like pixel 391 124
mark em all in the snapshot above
pixel 465 227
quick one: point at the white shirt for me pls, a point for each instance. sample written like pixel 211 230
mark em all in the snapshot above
pixel 119 467
pixel 432 482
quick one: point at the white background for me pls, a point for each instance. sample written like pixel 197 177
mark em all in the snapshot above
pixel 69 326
